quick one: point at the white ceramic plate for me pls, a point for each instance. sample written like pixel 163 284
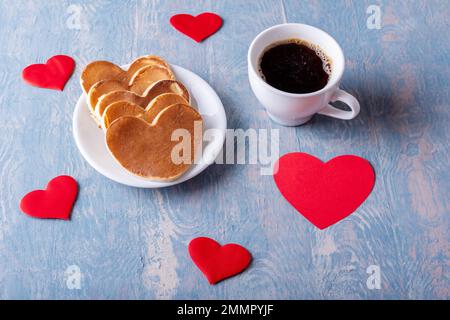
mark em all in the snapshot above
pixel 90 139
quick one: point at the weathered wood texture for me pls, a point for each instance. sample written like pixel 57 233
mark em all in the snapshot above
pixel 131 243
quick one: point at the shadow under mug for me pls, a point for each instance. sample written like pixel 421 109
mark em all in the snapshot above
pixel 293 109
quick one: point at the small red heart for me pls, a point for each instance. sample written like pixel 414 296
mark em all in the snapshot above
pixel 324 193
pixel 55 202
pixel 198 28
pixel 52 75
pixel 218 262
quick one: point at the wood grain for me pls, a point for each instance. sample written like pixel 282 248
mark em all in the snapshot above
pixel 132 243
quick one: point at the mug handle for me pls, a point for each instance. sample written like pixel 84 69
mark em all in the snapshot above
pixel 348 99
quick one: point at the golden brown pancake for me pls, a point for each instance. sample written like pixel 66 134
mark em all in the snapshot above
pixel 124 108
pixel 160 87
pixel 167 86
pixel 163 86
pixel 115 96
pixel 100 70
pixel 146 61
pixel 147 76
pixel 120 109
pixel 104 70
pixel 147 150
pixel 160 103
pixel 103 87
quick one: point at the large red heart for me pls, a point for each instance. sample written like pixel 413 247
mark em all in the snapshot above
pixel 218 262
pixel 198 28
pixel 51 75
pixel 324 193
pixel 55 202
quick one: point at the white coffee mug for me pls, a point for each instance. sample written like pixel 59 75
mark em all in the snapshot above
pixel 293 109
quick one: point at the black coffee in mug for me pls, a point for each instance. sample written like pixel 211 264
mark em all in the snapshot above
pixel 295 66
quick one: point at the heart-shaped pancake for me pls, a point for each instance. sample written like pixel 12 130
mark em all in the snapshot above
pixel 160 103
pixel 146 61
pixel 104 70
pixel 100 70
pixel 124 108
pixel 116 96
pixel 120 109
pixel 147 76
pixel 160 87
pixel 148 150
pixel 167 86
pixel 101 88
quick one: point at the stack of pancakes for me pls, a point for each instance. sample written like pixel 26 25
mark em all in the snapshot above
pixel 139 109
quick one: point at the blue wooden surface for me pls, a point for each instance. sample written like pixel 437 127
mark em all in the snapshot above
pixel 130 243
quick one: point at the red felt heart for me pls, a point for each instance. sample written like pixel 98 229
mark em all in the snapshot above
pixel 198 28
pixel 324 193
pixel 55 202
pixel 52 75
pixel 218 262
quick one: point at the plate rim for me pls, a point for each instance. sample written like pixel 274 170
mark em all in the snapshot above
pixel 153 184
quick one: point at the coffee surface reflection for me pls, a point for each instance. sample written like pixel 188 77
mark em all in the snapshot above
pixel 295 66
